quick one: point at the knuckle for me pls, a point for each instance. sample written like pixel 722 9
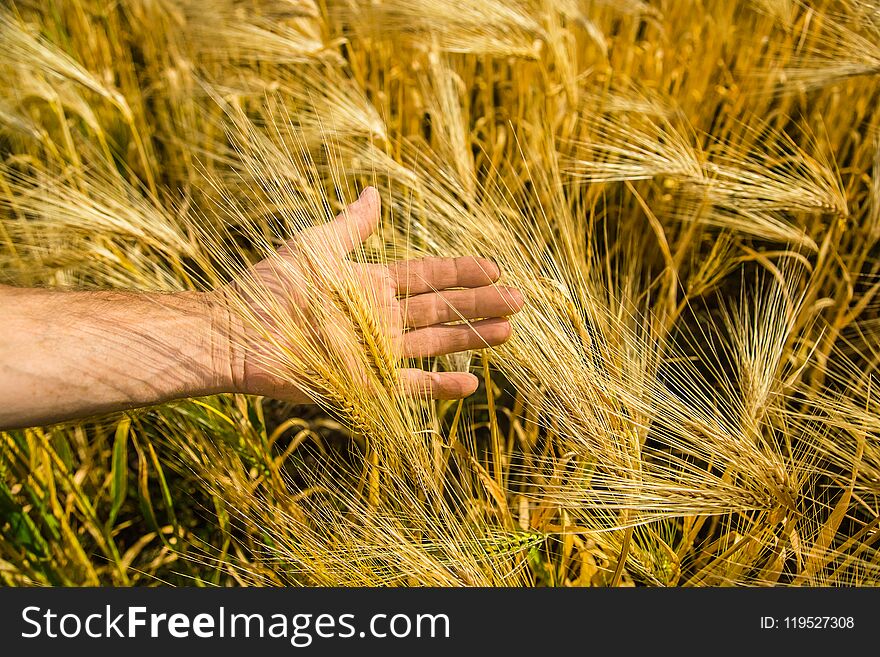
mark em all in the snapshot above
pixel 472 299
pixel 464 339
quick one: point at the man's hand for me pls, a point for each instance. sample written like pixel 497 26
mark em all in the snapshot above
pixel 414 301
pixel 66 355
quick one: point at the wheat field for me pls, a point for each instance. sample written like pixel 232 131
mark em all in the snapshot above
pixel 687 192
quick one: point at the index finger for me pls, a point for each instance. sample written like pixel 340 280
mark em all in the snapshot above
pixel 432 274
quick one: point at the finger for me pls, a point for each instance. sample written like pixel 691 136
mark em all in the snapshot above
pixel 438 385
pixel 453 305
pixel 440 339
pixel 350 228
pixel 432 274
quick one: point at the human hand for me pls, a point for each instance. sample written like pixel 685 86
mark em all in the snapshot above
pixel 411 306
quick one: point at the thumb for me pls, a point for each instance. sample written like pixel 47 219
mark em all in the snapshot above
pixel 352 226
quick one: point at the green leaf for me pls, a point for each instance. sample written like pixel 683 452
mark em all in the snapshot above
pixel 21 532
pixel 119 471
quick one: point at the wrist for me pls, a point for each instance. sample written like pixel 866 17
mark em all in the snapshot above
pixel 225 355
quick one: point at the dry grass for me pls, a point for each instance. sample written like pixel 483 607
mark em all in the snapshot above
pixel 686 193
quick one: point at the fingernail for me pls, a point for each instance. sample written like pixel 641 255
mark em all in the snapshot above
pixel 497 273
pixel 515 297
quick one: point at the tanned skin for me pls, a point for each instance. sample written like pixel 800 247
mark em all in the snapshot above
pixel 72 354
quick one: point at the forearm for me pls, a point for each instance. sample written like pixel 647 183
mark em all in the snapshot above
pixel 65 355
